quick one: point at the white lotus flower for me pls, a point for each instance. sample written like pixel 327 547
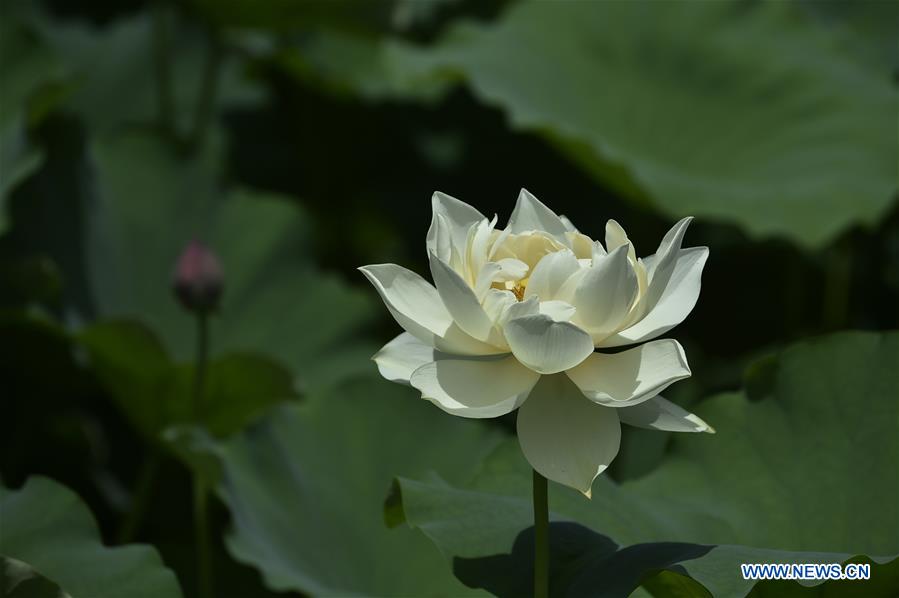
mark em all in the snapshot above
pixel 513 320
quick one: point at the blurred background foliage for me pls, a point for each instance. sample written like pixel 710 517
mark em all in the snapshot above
pixel 301 139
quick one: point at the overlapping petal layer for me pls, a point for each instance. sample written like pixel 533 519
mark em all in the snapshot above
pixel 545 345
pixel 632 376
pixel 475 387
pixel 403 355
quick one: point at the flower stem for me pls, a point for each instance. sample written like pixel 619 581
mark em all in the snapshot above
pixel 541 537
pixel 141 496
pixel 201 516
pixel 200 366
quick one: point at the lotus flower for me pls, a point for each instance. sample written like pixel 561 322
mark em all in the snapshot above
pixel 522 318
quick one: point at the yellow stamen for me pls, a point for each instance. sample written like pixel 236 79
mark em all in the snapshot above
pixel 518 290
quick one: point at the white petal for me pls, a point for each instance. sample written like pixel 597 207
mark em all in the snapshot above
pixel 476 245
pixel 511 269
pixel 412 301
pixel 547 346
pixel 606 292
pixel 440 239
pixel 559 311
pixel 664 261
pixel 580 244
pixel 497 302
pixel 456 341
pixel 675 304
pixel 498 242
pixel 565 437
pixel 417 307
pixel 477 388
pixel 632 376
pixel 450 221
pixel 550 274
pixel 403 355
pixel 460 300
pixel 569 225
pixel 531 214
pixel 661 414
pixel 520 309
pixel 485 279
pixel 616 237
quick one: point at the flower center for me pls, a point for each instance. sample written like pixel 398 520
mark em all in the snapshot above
pixel 518 290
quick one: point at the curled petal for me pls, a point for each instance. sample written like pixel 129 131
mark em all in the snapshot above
pixel 661 414
pixel 451 220
pixel 606 292
pixel 497 303
pixel 550 274
pixel 632 376
pixel 664 261
pixel 403 355
pixel 417 307
pixel 504 270
pixel 565 437
pixel 559 311
pixel 460 300
pixel 485 278
pixel 476 248
pixel 476 388
pixel 547 346
pixel 580 244
pixel 616 237
pixel 511 269
pixel 675 303
pixel 520 309
pixel 531 214
pixel 412 301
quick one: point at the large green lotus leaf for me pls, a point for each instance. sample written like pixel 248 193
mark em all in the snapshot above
pixel 151 201
pixel 306 487
pixel 868 28
pixel 374 68
pixel 113 73
pixel 808 473
pixel 155 393
pixel 18 580
pixel 47 529
pixel 744 113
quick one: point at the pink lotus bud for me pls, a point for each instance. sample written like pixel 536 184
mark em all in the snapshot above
pixel 198 279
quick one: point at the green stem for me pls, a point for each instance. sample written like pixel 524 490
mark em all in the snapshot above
pixel 205 108
pixel 163 64
pixel 201 515
pixel 142 494
pixel 200 366
pixel 541 537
